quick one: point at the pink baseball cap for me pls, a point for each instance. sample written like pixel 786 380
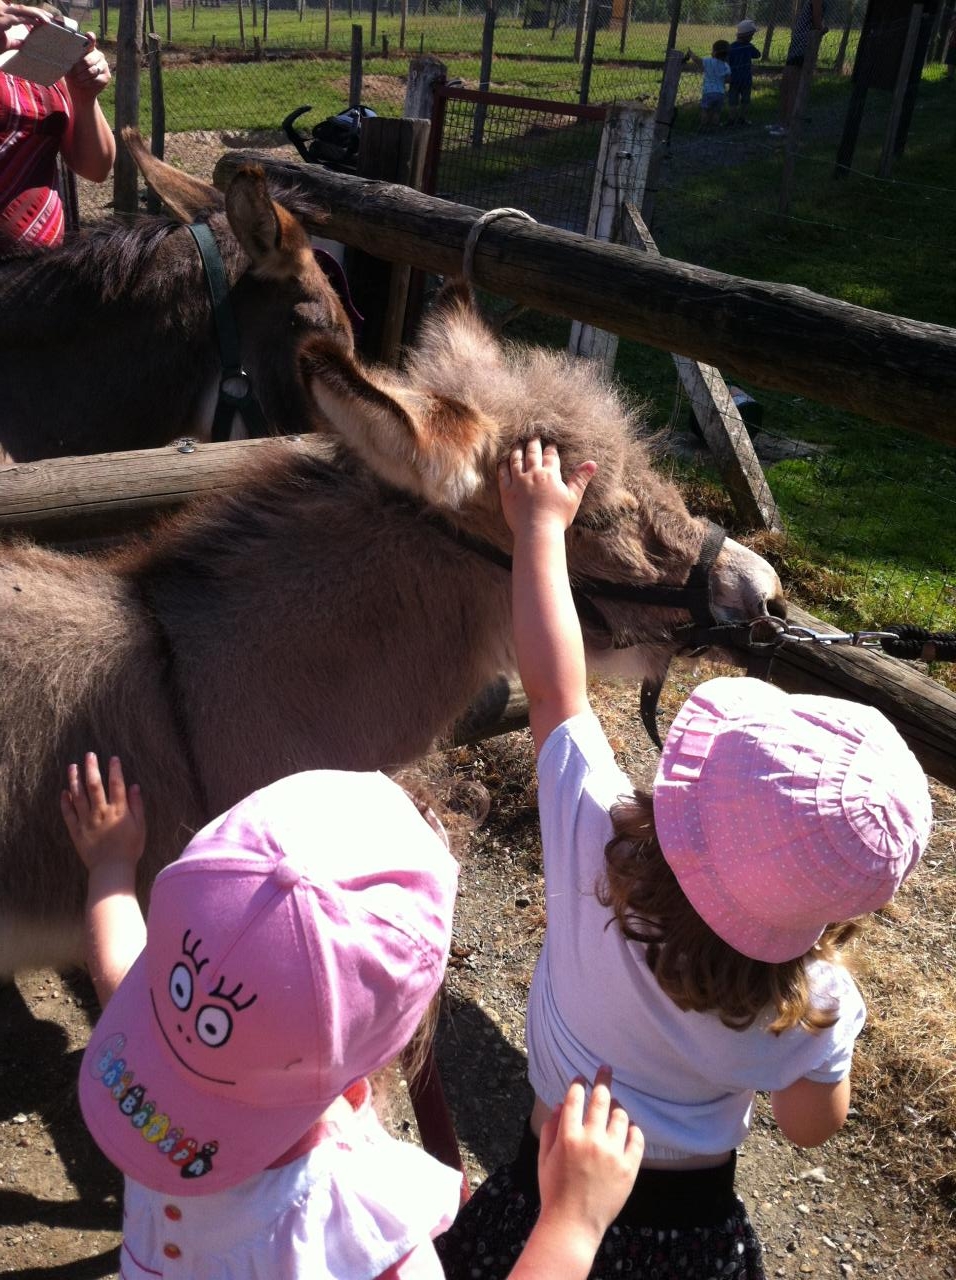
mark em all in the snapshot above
pixel 291 950
pixel 780 814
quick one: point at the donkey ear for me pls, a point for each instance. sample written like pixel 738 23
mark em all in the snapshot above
pixel 185 197
pixel 428 445
pixel 271 237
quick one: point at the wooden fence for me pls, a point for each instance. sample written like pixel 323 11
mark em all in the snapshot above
pixel 885 367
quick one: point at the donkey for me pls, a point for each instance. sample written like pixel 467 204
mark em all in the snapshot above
pixel 110 341
pixel 341 607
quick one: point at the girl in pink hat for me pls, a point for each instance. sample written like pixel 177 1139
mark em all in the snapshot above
pixel 693 933
pixel 290 952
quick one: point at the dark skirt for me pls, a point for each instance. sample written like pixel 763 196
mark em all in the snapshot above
pixel 683 1225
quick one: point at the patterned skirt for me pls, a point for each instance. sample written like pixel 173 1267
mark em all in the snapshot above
pixel 685 1225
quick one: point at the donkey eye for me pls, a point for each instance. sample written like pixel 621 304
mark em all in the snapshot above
pixel 213 1025
pixel 181 987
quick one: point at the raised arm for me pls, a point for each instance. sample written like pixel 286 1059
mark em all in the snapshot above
pixel 539 507
pixel 89 147
pixel 590 1156
pixel 109 833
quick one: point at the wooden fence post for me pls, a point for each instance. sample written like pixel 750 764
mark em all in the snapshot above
pixel 402 22
pixel 589 54
pixel 157 105
pixel 675 23
pixel 795 123
pixel 355 68
pixel 128 46
pixel 623 160
pixel 899 92
pixel 840 60
pixel 391 151
pixel 715 410
pixel 373 36
pixel 579 28
pixel 484 75
pixel 663 123
pixel 424 76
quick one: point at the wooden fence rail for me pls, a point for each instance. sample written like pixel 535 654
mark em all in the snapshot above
pixel 72 500
pixel 885 367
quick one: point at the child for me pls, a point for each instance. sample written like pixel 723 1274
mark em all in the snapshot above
pixel 716 74
pixel 740 59
pixel 688 942
pixel 292 950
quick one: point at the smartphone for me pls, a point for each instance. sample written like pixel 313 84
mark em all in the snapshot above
pixel 47 53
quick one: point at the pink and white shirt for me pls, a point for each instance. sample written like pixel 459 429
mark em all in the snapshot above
pixel 358 1205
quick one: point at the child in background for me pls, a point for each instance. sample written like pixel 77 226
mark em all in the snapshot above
pixel 716 74
pixel 291 951
pixel 740 58
pixel 689 940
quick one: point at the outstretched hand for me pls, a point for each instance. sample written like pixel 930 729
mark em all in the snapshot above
pixel 106 825
pixel 589 1158
pixel 532 488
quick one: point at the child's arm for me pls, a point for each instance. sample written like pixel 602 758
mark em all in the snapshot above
pixel 109 833
pixel 692 58
pixel 539 507
pixel 809 1112
pixel 588 1161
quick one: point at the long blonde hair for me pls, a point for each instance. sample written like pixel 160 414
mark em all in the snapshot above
pixel 692 965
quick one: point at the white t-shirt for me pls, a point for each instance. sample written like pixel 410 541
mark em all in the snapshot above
pixel 349 1209
pixel 684 1077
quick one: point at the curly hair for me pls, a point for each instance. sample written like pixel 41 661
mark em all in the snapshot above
pixel 692 965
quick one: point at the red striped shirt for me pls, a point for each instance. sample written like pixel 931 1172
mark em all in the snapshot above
pixel 33 121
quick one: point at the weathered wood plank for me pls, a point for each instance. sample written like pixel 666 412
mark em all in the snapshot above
pixel 885 367
pixel 73 499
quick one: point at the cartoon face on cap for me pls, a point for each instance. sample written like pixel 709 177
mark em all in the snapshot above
pixel 196 1022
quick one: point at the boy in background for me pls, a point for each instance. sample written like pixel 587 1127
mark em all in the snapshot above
pixel 740 59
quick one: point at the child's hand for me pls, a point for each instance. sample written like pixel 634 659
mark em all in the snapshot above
pixel 588 1160
pixel 105 828
pixel 533 491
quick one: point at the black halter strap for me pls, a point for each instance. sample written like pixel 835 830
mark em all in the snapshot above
pixel 235 389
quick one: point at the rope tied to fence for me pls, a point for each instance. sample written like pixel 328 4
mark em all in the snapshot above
pixel 917 642
pixel 477 227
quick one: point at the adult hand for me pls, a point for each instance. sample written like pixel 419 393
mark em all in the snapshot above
pixel 89 77
pixel 16 21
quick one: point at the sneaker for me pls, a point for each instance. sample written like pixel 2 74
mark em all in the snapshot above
pixel 777 130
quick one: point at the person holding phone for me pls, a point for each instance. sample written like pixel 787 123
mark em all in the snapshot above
pixel 38 123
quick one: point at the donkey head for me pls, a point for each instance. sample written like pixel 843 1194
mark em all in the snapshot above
pixel 439 429
pixel 278 290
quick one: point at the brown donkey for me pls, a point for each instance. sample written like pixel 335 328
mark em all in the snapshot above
pixel 109 342
pixel 341 608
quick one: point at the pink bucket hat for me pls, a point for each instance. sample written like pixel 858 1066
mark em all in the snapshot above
pixel 780 814
pixel 291 950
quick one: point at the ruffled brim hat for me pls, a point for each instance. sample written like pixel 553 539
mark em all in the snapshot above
pixel 780 814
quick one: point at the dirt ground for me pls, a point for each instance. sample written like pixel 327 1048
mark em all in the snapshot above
pixel 858 1206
